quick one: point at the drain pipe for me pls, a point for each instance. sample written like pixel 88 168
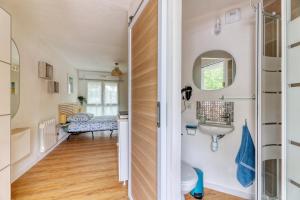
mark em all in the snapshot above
pixel 215 142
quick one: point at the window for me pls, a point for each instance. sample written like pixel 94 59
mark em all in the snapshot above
pixel 110 98
pixel 102 98
pixel 213 76
pixel 70 84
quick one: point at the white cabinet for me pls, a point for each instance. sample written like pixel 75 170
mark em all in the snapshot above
pixel 5 36
pixel 4 141
pixel 5 184
pixel 123 150
pixel 4 88
pixel 5 59
pixel 20 144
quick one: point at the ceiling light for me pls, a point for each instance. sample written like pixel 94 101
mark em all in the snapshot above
pixel 116 71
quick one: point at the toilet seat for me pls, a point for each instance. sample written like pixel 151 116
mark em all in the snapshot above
pixel 189 177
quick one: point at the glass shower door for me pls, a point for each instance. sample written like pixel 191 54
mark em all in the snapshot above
pixel 292 100
pixel 269 94
pixel 271 107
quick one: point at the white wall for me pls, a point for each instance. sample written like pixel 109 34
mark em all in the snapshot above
pixel 133 7
pixel 239 40
pixel 123 93
pixel 35 102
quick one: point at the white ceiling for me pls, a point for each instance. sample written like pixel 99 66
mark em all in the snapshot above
pixel 89 34
pixel 196 8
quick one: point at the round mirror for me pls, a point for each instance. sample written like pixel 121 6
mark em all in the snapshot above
pixel 15 79
pixel 214 70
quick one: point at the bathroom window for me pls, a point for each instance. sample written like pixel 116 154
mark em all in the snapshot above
pixel 213 76
pixel 102 98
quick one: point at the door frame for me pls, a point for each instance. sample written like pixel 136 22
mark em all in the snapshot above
pixel 259 21
pixel 284 18
pixel 173 45
pixel 169 85
pixel 259 53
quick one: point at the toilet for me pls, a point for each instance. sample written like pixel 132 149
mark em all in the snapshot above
pixel 189 179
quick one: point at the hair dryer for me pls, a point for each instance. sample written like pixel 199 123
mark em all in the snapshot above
pixel 186 93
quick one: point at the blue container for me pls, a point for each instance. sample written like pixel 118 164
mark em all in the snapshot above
pixel 198 191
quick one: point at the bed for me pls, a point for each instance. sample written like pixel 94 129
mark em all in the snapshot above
pixel 80 124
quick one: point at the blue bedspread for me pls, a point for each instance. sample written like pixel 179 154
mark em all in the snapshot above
pixel 95 124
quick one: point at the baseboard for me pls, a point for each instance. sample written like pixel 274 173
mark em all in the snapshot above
pixel 231 191
pixel 220 188
pixel 28 166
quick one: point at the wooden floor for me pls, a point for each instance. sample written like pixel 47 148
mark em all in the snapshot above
pixel 80 169
pixel 213 195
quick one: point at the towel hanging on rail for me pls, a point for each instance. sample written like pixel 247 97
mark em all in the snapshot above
pixel 245 159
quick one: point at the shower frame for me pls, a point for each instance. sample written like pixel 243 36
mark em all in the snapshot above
pixel 276 18
pixel 260 52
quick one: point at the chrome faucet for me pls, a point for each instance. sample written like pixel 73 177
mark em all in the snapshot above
pixel 226 118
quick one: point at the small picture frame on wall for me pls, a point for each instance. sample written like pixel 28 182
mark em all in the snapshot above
pixel 70 84
pixel 53 87
pixel 45 70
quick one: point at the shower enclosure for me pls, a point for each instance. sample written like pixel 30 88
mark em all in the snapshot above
pixel 291 93
pixel 278 150
pixel 269 95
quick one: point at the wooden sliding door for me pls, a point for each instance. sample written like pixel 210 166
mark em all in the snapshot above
pixel 144 90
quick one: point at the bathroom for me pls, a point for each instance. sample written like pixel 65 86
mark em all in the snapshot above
pixel 231 29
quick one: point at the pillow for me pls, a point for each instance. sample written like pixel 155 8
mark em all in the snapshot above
pixel 80 117
pixel 86 114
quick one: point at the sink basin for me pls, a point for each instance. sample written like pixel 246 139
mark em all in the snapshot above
pixel 215 129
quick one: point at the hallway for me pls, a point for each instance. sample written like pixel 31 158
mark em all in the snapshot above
pixel 78 169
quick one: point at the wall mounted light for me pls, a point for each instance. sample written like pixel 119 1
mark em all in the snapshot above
pixel 116 71
pixel 218 26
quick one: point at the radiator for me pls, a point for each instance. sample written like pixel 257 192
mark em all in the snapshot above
pixel 48 135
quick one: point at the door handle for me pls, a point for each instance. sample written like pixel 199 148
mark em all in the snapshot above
pixel 294 183
pixel 158 114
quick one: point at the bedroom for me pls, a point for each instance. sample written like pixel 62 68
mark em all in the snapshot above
pixel 57 62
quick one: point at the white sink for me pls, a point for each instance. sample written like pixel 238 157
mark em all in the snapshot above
pixel 215 129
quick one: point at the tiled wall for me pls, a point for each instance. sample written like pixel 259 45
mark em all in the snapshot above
pixel 215 111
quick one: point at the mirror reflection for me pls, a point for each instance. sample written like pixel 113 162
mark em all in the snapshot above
pixel 214 70
pixel 15 79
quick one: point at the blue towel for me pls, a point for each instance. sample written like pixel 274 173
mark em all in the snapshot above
pixel 245 159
